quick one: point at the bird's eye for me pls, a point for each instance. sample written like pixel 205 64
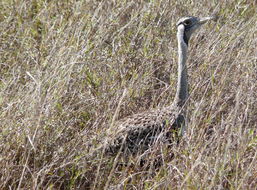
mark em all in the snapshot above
pixel 187 22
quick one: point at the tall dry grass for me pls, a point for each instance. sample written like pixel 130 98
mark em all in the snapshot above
pixel 64 66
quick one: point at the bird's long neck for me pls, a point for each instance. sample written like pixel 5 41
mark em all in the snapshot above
pixel 182 84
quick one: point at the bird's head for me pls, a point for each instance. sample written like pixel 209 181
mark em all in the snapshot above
pixel 189 25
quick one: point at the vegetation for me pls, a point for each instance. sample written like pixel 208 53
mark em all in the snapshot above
pixel 66 68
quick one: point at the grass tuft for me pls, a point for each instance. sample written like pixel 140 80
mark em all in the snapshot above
pixel 65 67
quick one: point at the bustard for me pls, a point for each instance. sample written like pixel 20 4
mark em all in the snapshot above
pixel 138 132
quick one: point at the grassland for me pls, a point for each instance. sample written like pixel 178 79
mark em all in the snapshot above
pixel 64 68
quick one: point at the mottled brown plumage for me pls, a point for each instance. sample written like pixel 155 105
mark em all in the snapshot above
pixel 138 132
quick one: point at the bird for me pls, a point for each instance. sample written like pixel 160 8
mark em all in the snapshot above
pixel 138 132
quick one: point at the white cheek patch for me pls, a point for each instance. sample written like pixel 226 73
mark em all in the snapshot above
pixel 181 29
pixel 180 36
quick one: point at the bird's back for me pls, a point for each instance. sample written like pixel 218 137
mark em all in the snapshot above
pixel 138 132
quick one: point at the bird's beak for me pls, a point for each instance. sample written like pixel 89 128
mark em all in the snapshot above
pixel 205 19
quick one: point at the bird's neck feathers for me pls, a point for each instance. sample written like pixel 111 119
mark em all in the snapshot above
pixel 182 85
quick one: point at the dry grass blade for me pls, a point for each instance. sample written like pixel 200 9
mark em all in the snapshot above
pixel 64 66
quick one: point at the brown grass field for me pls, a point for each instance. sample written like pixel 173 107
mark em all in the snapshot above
pixel 66 68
